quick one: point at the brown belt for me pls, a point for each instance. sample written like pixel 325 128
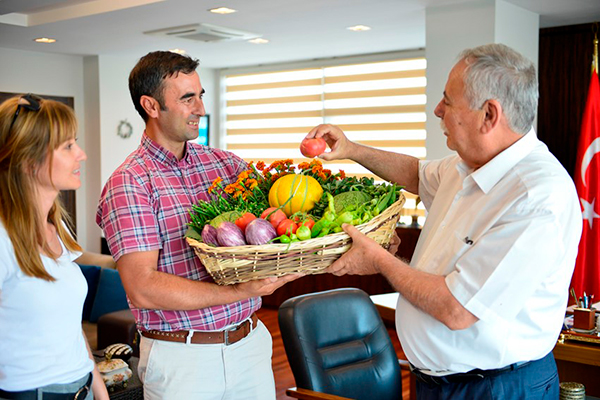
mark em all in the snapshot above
pixel 227 337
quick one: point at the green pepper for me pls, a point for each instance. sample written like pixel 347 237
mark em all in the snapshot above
pixel 383 201
pixel 293 237
pixel 284 239
pixel 345 218
pixel 325 231
pixel 323 223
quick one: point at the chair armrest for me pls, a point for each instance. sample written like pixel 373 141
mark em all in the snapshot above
pixel 306 394
pixel 404 365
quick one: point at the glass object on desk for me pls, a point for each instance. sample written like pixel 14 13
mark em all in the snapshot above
pixel 571 391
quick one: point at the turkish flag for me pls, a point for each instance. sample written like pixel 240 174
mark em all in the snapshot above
pixel 587 176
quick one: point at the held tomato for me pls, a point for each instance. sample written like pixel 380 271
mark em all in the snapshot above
pixel 286 227
pixel 243 221
pixel 275 216
pixel 313 147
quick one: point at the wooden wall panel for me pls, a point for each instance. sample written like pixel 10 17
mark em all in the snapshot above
pixel 565 57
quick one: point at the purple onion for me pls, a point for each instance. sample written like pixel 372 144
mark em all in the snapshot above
pixel 209 235
pixel 229 234
pixel 259 231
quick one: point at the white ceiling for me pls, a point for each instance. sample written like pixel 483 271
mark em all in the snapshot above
pixel 296 29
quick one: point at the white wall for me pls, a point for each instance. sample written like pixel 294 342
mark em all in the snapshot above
pixel 451 29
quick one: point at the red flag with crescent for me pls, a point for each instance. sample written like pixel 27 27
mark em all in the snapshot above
pixel 587 180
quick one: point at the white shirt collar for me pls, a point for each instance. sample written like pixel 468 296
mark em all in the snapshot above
pixel 490 174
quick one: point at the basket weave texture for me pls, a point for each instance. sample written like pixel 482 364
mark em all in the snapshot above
pixel 236 264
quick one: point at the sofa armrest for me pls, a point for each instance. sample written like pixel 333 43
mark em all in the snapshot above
pixel 118 327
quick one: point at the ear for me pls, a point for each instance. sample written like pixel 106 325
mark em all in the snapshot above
pixel 150 105
pixel 492 115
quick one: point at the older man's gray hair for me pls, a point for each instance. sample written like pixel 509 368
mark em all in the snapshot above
pixel 495 71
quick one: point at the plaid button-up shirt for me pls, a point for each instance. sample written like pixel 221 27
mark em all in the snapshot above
pixel 144 206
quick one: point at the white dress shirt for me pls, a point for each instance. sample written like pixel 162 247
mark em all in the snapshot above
pixel 505 236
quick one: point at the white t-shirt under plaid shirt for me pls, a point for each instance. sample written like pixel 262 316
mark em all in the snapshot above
pixel 145 206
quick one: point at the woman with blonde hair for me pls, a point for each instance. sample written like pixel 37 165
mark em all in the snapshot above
pixel 43 351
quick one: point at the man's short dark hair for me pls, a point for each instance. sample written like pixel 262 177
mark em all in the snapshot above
pixel 148 75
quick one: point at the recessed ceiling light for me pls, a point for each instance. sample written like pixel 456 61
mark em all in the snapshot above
pixel 222 10
pixel 178 51
pixel 45 40
pixel 258 41
pixel 359 28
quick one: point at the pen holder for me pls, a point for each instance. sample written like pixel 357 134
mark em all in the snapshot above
pixel 585 318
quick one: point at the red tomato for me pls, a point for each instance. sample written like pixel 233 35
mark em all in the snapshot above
pixel 309 222
pixel 242 221
pixel 313 147
pixel 275 218
pixel 286 227
pixel 303 220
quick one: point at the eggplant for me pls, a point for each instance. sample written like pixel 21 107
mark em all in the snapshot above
pixel 229 234
pixel 259 231
pixel 209 235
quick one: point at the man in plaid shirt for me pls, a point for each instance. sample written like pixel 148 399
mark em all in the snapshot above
pixel 199 340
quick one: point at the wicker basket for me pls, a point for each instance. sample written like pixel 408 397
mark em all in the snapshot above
pixel 229 265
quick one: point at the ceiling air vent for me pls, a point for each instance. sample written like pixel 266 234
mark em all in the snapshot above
pixel 204 33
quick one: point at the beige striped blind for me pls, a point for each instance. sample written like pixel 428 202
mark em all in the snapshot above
pixel 379 104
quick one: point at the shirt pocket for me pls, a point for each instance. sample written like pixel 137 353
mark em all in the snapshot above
pixel 450 251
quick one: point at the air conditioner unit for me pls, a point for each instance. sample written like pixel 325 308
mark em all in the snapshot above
pixel 204 33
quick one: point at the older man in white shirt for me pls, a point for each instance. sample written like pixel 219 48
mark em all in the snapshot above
pixel 483 301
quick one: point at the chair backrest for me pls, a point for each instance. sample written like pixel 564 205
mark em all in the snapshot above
pixel 336 343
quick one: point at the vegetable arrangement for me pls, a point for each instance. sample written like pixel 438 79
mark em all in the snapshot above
pixel 276 204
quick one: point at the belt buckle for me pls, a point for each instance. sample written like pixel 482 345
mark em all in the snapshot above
pixel 84 390
pixel 226 334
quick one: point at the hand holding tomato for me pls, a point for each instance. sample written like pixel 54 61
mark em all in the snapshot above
pixel 313 147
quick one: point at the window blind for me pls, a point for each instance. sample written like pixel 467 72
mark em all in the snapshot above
pixel 379 104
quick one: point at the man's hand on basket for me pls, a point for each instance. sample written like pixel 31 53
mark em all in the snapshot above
pixel 362 258
pixel 394 244
pixel 264 287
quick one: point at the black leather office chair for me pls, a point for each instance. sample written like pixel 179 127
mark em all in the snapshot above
pixel 336 343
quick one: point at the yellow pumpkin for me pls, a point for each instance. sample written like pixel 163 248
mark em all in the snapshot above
pixel 303 190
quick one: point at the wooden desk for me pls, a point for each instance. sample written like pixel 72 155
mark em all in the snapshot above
pixel 386 305
pixel 579 362
pixel 575 361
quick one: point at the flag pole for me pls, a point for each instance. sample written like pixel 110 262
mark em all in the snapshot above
pixel 595 57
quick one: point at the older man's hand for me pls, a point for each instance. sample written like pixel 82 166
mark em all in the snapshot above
pixel 361 259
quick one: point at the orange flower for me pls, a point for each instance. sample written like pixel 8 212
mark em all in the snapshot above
pixel 243 175
pixel 342 174
pixel 327 172
pixel 213 186
pixel 229 189
pixel 260 165
pixel 304 166
pixel 251 183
